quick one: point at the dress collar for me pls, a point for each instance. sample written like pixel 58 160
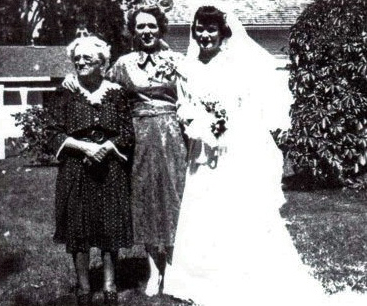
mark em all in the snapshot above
pixel 144 58
pixel 96 96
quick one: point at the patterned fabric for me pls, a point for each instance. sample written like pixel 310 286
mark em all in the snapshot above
pixel 159 165
pixel 93 205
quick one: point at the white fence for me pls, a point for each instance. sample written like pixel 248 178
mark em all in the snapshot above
pixel 7 121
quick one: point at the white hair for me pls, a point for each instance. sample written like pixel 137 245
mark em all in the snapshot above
pixel 102 48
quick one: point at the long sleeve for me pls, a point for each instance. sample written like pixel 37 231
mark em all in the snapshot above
pixel 56 128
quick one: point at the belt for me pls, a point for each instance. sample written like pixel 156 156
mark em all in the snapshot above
pixel 144 109
pixel 96 136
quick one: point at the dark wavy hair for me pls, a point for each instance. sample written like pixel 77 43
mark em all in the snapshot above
pixel 155 11
pixel 210 14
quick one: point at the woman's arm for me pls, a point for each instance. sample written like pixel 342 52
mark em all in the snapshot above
pixel 123 142
pixel 71 82
pixel 117 73
pixel 125 139
pixel 92 150
pixel 56 128
pixel 58 139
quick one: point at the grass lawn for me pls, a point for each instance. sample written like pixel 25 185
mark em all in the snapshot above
pixel 329 228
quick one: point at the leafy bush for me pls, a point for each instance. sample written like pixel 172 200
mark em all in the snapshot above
pixel 328 53
pixel 33 122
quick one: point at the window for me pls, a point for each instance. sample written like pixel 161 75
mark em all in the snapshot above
pixel 12 98
pixel 35 98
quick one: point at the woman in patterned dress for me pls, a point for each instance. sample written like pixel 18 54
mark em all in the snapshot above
pixel 149 75
pixel 91 133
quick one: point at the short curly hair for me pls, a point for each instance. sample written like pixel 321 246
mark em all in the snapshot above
pixel 155 11
pixel 210 14
pixel 103 50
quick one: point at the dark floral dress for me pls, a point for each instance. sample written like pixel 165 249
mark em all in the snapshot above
pixel 159 166
pixel 93 204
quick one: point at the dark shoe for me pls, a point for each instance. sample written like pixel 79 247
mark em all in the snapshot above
pixel 84 299
pixel 110 298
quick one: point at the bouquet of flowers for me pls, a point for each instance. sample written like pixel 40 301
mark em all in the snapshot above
pixel 218 125
pixel 204 118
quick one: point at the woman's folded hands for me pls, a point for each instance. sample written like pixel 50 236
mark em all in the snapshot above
pixel 93 151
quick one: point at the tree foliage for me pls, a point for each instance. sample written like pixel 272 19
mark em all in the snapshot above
pixel 17 21
pixel 328 53
pixel 57 21
pixel 61 18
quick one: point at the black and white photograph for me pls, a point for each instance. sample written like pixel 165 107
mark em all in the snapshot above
pixel 183 152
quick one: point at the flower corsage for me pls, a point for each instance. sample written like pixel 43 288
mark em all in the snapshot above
pixel 165 70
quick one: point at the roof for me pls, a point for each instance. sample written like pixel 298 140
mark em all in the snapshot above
pixel 250 12
pixel 34 61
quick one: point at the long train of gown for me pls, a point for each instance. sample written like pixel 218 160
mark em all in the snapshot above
pixel 232 246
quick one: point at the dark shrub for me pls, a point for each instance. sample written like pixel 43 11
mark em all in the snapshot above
pixel 34 121
pixel 328 53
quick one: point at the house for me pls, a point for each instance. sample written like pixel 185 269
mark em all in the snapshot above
pixel 29 73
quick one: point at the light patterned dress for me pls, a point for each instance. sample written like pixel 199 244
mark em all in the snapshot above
pixel 159 166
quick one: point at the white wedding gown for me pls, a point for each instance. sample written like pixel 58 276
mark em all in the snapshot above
pixel 232 246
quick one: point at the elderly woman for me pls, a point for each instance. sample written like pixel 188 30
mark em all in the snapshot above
pixel 91 134
pixel 149 75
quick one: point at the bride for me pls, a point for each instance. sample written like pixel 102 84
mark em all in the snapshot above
pixel 232 247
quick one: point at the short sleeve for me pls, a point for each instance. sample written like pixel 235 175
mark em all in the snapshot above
pixel 117 73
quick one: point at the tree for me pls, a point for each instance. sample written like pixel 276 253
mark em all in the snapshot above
pixel 105 18
pixel 328 53
pixel 58 20
pixel 18 19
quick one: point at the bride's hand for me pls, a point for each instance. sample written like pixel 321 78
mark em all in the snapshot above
pixel 221 150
